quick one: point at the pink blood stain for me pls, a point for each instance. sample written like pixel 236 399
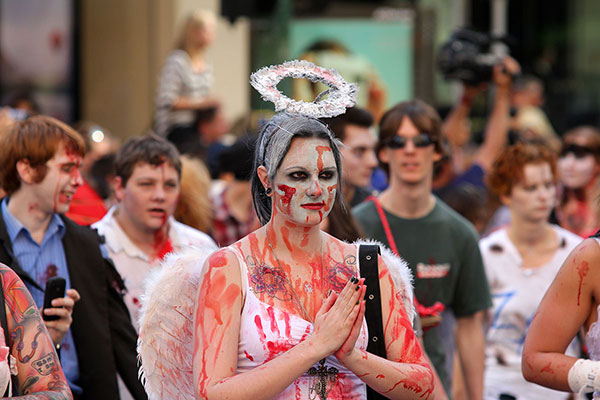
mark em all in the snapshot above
pixel 582 271
pixel 248 356
pixel 285 234
pixel 331 197
pixel 548 369
pixel 33 207
pixel 380 376
pixel 274 327
pixel 288 327
pixel 287 196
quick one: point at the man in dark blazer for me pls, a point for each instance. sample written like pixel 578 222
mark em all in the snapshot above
pixel 40 160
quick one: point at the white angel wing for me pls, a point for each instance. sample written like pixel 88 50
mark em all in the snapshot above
pixel 165 344
pixel 401 275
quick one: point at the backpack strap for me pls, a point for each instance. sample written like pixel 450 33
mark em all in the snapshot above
pixel 369 269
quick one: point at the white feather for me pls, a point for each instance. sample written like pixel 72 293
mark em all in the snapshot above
pixel 165 344
pixel 401 275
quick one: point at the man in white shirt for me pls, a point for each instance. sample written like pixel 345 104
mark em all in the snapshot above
pixel 140 230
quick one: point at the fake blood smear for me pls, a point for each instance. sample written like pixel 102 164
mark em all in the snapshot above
pixel 162 247
pixel 287 196
pixel 321 150
pixel 582 270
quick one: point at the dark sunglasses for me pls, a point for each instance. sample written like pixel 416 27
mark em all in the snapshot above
pixel 398 142
pixel 577 151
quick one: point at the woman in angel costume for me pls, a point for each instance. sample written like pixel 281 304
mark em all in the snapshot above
pixel 280 313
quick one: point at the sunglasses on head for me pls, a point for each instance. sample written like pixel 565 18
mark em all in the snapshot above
pixel 398 142
pixel 577 151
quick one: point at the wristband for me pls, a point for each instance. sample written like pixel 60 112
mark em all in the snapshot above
pixel 584 376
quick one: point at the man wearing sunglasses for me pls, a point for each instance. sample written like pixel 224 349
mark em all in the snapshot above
pixel 439 245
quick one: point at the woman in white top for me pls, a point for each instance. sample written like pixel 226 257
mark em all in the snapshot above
pixel 521 261
pixel 186 78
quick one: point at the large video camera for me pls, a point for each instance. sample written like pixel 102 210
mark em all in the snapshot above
pixel 467 56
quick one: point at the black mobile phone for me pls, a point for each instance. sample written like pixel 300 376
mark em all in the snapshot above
pixel 55 288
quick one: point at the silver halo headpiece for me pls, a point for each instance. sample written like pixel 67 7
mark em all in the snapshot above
pixel 340 94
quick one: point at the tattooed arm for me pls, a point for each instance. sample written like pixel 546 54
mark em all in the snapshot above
pixel 405 374
pixel 39 373
pixel 217 331
pixel 569 304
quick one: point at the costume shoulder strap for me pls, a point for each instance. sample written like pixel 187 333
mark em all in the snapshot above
pixel 165 344
pixel 400 273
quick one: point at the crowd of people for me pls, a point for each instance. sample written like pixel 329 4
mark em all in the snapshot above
pixel 484 284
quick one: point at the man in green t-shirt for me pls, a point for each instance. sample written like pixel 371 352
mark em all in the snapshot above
pixel 439 245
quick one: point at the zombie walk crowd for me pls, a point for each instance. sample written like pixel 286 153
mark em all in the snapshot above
pixel 338 252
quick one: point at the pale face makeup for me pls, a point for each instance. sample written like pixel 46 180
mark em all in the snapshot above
pixel 305 185
pixel 532 199
pixel 576 172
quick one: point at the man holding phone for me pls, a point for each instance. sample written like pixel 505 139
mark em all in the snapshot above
pixel 40 159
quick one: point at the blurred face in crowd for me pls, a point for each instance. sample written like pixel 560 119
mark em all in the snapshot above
pixel 410 155
pixel 305 184
pixel 532 198
pixel 54 193
pixel 358 155
pixel 150 195
pixel 577 165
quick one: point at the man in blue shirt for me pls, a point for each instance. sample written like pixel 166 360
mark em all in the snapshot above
pixel 40 158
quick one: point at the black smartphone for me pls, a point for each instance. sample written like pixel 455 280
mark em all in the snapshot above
pixel 55 288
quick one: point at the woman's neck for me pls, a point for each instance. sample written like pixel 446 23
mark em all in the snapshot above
pixel 290 239
pixel 528 233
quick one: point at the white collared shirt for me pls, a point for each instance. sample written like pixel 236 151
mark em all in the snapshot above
pixel 133 264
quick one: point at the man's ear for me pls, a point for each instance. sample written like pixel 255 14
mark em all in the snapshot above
pixel 263 176
pixel 26 172
pixel 118 188
pixel 437 156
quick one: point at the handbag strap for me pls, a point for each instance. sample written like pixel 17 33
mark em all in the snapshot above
pixel 369 269
pixel 385 224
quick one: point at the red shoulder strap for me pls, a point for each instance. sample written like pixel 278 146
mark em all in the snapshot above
pixel 385 224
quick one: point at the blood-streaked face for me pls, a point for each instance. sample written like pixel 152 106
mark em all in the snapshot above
pixel 54 193
pixel 150 196
pixel 306 183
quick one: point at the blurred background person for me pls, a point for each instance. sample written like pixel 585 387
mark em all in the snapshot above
pixel 88 205
pixel 186 79
pixel 194 207
pixel 140 230
pixel 578 170
pixel 355 130
pixel 530 121
pixel 521 261
pixel 234 215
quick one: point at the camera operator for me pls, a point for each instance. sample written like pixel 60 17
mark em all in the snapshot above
pixel 453 171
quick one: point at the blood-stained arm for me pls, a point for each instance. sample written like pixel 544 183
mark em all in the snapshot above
pixel 39 373
pixel 405 374
pixel 565 308
pixel 217 329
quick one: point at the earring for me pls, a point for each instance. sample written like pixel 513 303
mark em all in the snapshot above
pixel 268 191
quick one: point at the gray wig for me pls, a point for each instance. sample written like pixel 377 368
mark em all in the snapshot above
pixel 272 146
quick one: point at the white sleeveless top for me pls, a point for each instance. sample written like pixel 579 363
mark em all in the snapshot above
pixel 266 332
